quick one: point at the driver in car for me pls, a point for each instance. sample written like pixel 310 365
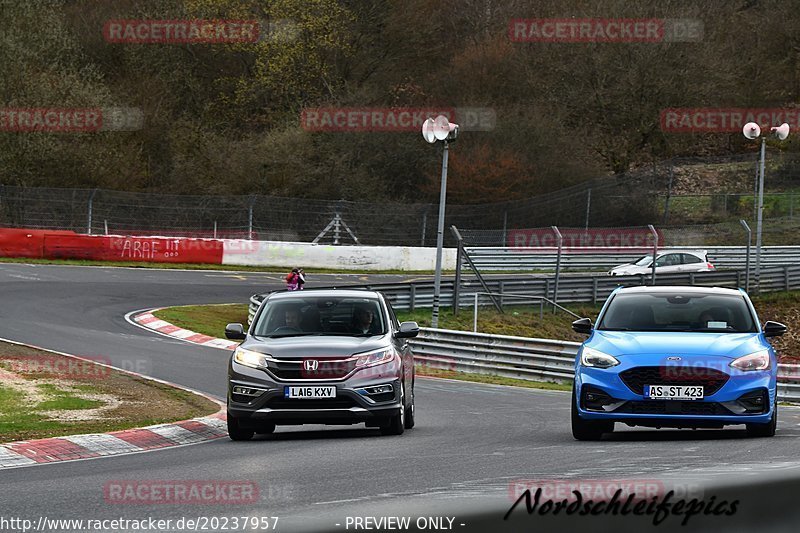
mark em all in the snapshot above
pixel 292 318
pixel 364 320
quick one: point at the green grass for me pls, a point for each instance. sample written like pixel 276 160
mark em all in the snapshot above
pixel 492 380
pixel 55 409
pixel 60 399
pixel 205 319
pixel 520 321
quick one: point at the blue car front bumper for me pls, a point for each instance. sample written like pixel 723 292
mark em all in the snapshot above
pixel 731 395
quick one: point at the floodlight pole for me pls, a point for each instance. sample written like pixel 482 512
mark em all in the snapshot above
pixel 760 215
pixel 437 279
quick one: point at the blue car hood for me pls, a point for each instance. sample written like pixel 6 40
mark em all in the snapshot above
pixel 621 343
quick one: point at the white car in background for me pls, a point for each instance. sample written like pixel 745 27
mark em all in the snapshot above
pixel 667 261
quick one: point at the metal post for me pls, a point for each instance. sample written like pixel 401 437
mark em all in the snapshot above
pixel 250 221
pixel 424 227
pixel 747 255
pixel 669 195
pixel 559 241
pixel 437 279
pixel 755 192
pixel 505 228
pixel 89 218
pixel 336 220
pixel 105 225
pixel 588 207
pixel 215 229
pixel 655 249
pixel 457 283
pixel 475 315
pixel 760 215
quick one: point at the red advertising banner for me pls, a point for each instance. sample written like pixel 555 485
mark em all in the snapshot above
pixel 574 239
pixel 70 245
pixel 144 249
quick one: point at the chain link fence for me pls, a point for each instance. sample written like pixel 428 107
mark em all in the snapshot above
pixel 663 194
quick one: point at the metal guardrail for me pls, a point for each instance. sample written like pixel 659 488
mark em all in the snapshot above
pixel 520 357
pixel 723 257
pixel 529 359
pixel 571 289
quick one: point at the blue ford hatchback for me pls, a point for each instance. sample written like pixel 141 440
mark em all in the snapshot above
pixel 675 357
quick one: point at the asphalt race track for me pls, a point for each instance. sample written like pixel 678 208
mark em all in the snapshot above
pixel 471 441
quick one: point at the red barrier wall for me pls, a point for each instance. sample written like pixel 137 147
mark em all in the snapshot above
pixel 70 245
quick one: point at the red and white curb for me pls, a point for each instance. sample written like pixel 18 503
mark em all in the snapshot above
pixel 94 445
pixel 147 320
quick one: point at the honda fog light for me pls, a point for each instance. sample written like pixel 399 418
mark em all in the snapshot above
pixel 248 391
pixel 250 358
pixel 377 389
pixel 594 358
pixel 755 361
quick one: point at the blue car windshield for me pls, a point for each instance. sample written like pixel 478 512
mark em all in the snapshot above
pixel 676 311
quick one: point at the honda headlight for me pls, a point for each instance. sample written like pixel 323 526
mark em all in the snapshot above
pixel 755 361
pixel 250 358
pixel 375 357
pixel 597 359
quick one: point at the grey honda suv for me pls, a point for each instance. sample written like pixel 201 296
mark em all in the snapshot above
pixel 324 356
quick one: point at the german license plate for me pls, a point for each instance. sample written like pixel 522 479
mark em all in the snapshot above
pixel 302 393
pixel 673 392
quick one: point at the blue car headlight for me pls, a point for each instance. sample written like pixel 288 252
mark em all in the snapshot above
pixel 759 360
pixel 597 359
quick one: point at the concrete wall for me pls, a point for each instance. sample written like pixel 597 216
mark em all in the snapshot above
pixel 305 255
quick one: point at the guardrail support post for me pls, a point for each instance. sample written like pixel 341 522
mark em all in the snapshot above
pixel 475 315
pixel 459 255
pixel 412 300
pixel 559 241
pixel 655 249
pixel 594 290
pixel 786 278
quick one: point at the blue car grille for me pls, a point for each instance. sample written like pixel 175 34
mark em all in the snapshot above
pixel 710 379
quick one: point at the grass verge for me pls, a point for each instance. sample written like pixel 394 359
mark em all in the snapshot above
pixel 492 380
pixel 48 395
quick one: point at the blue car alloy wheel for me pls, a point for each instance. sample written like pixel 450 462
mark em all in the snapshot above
pixel 681 357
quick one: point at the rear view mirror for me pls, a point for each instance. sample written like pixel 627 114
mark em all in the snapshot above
pixel 407 330
pixel 774 329
pixel 582 325
pixel 235 332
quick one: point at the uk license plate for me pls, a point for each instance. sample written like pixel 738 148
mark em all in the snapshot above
pixel 673 392
pixel 302 393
